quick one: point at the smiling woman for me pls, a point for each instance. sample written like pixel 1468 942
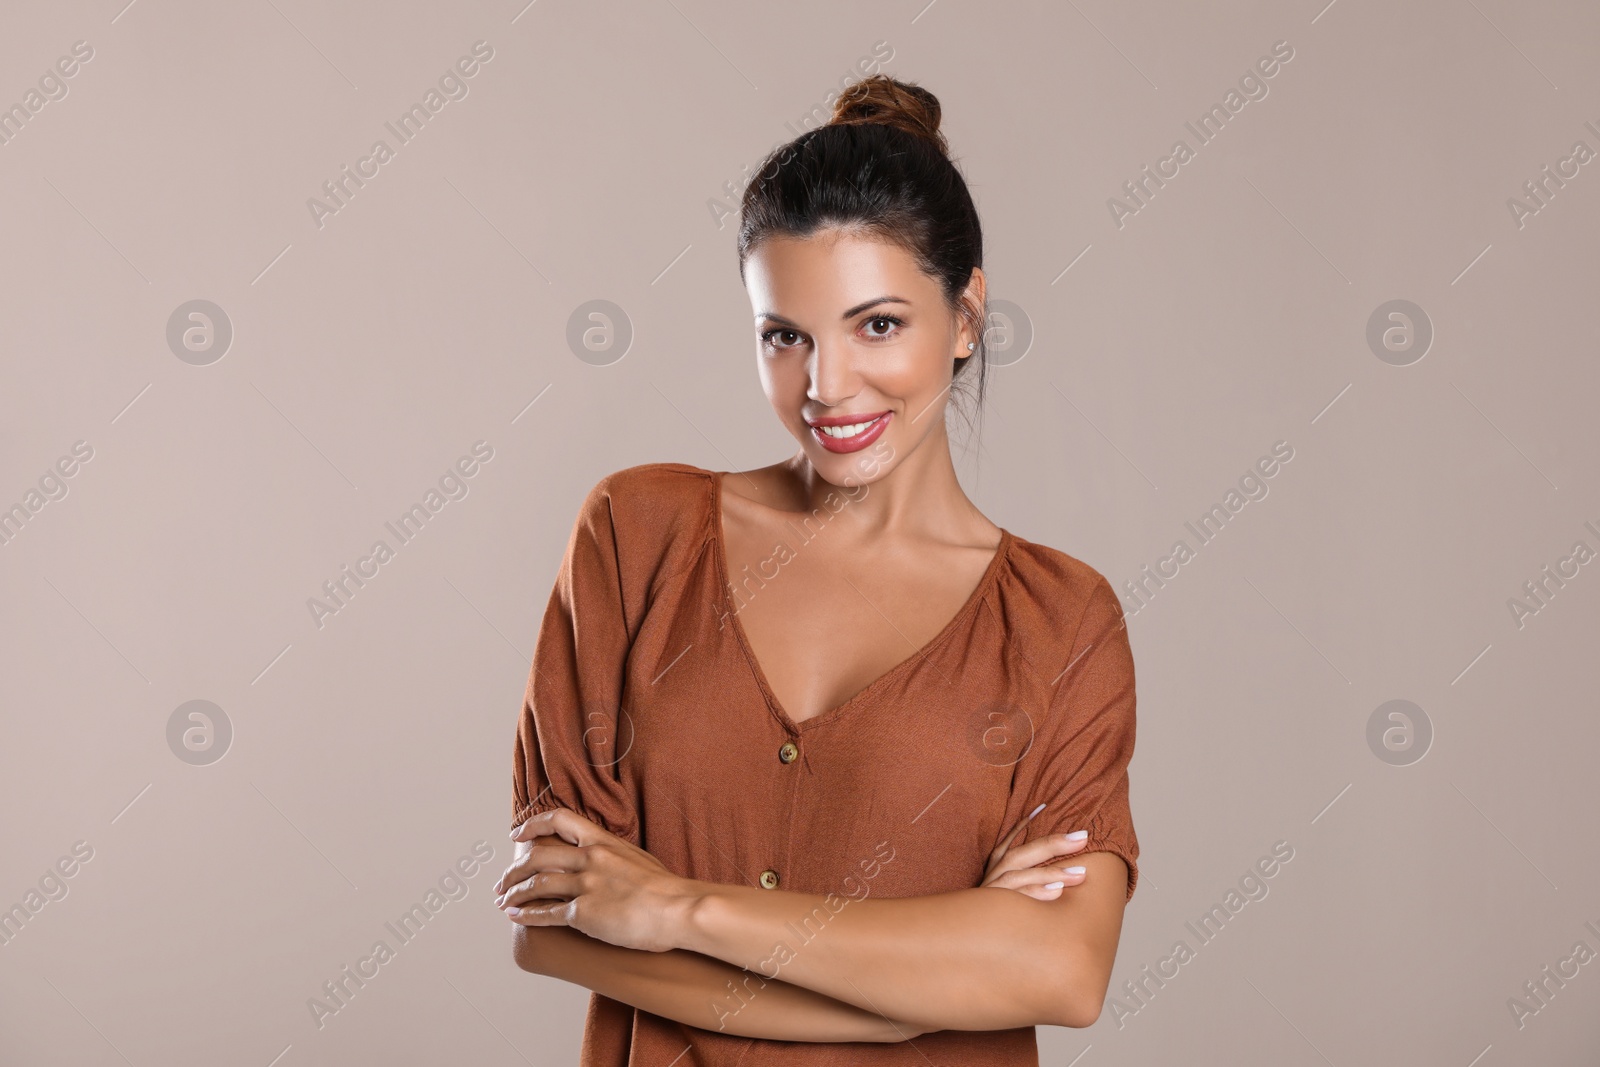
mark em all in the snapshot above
pixel 921 693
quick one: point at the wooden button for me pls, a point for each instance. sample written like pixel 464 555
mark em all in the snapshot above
pixel 789 752
pixel 769 879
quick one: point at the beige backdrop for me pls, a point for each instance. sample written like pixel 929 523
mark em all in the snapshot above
pixel 184 477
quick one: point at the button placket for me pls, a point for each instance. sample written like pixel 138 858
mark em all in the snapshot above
pixel 788 752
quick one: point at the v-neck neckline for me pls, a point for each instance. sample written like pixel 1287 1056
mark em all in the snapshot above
pixel 719 551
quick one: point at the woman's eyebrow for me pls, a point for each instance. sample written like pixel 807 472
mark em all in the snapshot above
pixel 850 314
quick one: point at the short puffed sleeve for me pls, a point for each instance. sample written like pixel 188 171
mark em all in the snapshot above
pixel 1077 764
pixel 568 744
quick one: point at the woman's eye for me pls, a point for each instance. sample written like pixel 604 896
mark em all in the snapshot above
pixel 770 334
pixel 890 320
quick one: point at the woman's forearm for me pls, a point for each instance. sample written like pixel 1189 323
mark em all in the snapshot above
pixel 973 959
pixel 692 988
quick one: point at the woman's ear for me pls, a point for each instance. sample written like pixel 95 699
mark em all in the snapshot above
pixel 973 314
pixel 970 336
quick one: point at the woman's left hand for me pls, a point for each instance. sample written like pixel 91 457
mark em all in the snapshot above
pixel 569 871
pixel 1032 869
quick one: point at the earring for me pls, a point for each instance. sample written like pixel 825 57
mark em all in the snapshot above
pixel 971 345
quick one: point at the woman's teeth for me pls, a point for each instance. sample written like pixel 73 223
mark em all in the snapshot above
pixel 846 431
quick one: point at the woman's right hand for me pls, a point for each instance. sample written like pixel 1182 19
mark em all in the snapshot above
pixel 1032 868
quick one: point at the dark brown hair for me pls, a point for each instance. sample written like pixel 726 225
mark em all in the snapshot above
pixel 881 167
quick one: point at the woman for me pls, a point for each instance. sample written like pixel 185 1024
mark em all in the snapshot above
pixel 785 726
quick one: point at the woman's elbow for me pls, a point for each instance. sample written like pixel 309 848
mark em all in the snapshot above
pixel 1080 992
pixel 1078 1011
pixel 524 951
pixel 1072 1005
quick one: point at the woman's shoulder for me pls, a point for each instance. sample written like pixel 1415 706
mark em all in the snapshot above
pixel 650 489
pixel 1055 596
pixel 657 513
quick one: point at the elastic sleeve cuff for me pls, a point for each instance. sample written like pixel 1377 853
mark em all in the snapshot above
pixel 546 802
pixel 1108 839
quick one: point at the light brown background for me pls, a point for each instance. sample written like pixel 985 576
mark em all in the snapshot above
pixel 1228 314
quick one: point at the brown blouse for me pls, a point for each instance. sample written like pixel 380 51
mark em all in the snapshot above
pixel 647 712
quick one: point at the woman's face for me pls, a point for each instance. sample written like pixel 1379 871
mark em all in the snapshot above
pixel 855 347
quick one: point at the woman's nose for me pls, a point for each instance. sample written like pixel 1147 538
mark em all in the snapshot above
pixel 833 375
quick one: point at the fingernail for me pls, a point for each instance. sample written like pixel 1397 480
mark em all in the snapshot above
pixel 1077 835
pixel 1035 811
pixel 1075 870
pixel 513 911
pixel 1054 885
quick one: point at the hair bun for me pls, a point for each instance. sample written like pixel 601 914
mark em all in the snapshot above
pixel 890 102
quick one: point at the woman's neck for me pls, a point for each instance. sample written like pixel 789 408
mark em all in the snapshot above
pixel 921 497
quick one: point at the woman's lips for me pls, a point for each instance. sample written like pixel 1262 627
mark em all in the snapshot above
pixel 870 433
